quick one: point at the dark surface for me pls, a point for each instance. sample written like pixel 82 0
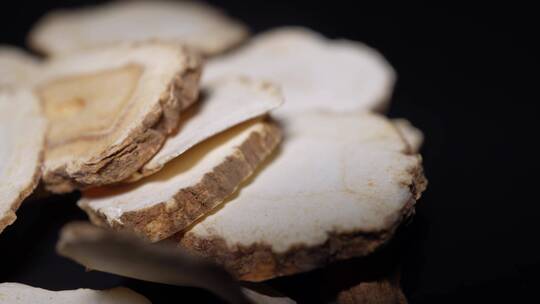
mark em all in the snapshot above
pixel 469 82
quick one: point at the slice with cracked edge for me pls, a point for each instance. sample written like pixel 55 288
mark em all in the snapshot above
pixel 314 72
pixel 22 136
pixel 187 187
pixel 111 109
pixel 412 135
pixel 201 26
pixel 339 188
pixel 225 103
pixel 17 293
pixel 18 68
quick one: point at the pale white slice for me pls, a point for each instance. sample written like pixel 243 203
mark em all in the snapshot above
pixel 199 25
pixel 338 188
pixel 17 67
pixel 22 139
pixel 16 293
pixel 314 72
pixel 225 103
pixel 412 135
pixel 110 110
pixel 187 187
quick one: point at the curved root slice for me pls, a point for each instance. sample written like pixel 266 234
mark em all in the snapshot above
pixel 197 25
pixel 22 134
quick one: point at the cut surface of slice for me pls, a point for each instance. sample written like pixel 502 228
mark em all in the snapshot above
pixel 224 104
pixel 314 72
pixel 200 26
pixel 18 68
pixel 111 109
pixel 22 137
pixel 15 293
pixel 338 188
pixel 187 187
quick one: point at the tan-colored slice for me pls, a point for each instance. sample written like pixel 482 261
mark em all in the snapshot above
pixel 125 255
pixel 224 104
pixel 338 188
pixel 411 134
pixel 16 293
pixel 199 25
pixel 186 188
pixel 314 72
pixel 111 109
pixel 22 139
pixel 18 68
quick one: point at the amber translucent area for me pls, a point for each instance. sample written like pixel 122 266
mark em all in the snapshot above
pixel 88 105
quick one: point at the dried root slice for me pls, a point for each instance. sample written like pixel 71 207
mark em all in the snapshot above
pixel 201 26
pixel 16 293
pixel 314 72
pixel 225 103
pixel 187 187
pixel 18 68
pixel 339 188
pixel 111 109
pixel 374 292
pixel 412 135
pixel 372 280
pixel 22 137
pixel 123 254
pixel 257 297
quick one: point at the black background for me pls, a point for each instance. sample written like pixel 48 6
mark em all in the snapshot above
pixel 469 82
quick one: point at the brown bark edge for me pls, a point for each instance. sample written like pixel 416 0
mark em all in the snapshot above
pixel 259 262
pixel 115 165
pixel 165 219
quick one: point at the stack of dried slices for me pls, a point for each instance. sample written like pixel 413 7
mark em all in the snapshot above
pixel 267 155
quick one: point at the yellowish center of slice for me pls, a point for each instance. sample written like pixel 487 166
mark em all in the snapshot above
pixel 88 106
